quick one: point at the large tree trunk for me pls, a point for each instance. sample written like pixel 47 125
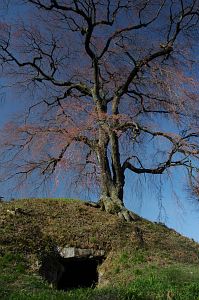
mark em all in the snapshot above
pixel 112 203
pixel 112 177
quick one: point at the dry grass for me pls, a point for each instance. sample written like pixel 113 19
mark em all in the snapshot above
pixel 34 226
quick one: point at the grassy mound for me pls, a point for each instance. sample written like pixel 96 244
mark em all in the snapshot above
pixel 144 260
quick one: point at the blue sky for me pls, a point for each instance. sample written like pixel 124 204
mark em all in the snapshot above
pixel 181 213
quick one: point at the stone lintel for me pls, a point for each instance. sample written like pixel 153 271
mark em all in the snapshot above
pixel 70 252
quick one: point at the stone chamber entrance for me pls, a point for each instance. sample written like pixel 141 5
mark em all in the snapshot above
pixel 72 268
pixel 79 272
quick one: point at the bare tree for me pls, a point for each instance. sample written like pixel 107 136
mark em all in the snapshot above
pixel 112 87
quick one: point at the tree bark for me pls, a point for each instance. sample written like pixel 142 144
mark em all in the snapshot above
pixel 113 205
pixel 112 177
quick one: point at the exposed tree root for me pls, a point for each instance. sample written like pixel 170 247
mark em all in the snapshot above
pixel 128 215
pixel 115 208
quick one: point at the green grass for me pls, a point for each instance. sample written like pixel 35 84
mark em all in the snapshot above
pixel 179 282
pixel 165 268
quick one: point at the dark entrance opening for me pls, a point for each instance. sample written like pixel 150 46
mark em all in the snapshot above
pixel 79 272
pixel 71 273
